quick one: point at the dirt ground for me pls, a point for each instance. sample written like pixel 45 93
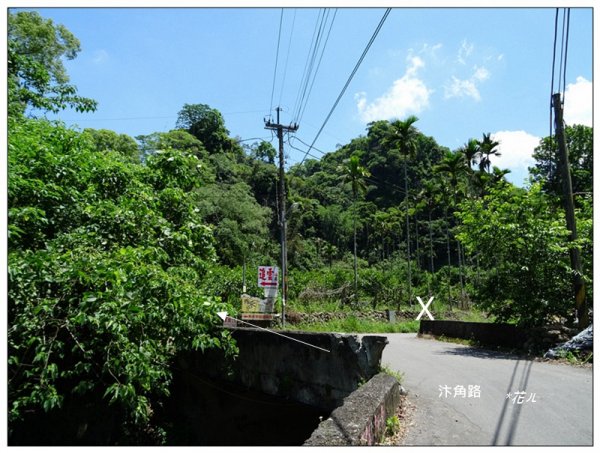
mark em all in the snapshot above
pixel 404 413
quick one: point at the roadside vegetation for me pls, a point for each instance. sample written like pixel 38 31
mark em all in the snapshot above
pixel 122 249
pixel 352 324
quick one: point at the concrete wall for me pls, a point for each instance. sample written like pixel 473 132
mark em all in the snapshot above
pixel 486 333
pixel 282 367
pixel 361 420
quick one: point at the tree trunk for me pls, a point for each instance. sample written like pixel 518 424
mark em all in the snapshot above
pixel 355 259
pixel 407 235
pixel 417 253
pixel 430 252
pixel 448 252
pixel 430 245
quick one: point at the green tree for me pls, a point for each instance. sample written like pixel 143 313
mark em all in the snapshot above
pixel 487 149
pixel 579 140
pixel 523 248
pixel 264 151
pixel 403 136
pixel 37 78
pixel 354 174
pixel 106 263
pixel 207 125
pixel 238 221
pixel 456 168
pixel 106 140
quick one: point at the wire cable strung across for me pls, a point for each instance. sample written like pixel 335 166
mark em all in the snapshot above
pixel 372 179
pixel 360 60
pixel 306 64
pixel 287 57
pixel 276 61
pixel 562 67
pixel 310 76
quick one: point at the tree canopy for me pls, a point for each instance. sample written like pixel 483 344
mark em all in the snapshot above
pixel 122 250
pixel 37 78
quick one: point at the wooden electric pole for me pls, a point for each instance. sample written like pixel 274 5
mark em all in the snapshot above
pixel 567 189
pixel 282 202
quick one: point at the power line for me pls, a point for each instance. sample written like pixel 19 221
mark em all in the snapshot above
pixel 373 179
pixel 307 67
pixel 287 57
pixel 255 138
pixel 566 52
pixel 276 61
pixel 553 66
pixel 151 117
pixel 302 109
pixel 304 143
pixel 301 150
pixel 360 60
pixel 562 67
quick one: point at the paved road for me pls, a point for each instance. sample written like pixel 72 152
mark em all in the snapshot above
pixel 560 415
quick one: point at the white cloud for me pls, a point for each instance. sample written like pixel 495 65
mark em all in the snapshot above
pixel 100 57
pixel 578 103
pixel 409 94
pixel 481 74
pixel 516 149
pixel 430 51
pixel 466 49
pixel 459 88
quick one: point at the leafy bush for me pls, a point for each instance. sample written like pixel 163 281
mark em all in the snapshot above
pixel 523 249
pixel 106 261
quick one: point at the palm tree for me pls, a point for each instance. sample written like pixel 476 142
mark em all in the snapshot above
pixel 487 149
pixel 471 152
pixel 455 166
pixel 498 174
pixel 403 136
pixel 355 174
pixel 427 197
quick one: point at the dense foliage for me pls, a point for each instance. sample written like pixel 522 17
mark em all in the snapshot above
pixel 122 250
pixel 106 263
pixel 37 78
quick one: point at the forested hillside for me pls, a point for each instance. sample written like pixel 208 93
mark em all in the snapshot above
pixel 122 249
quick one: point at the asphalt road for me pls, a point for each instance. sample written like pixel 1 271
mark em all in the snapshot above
pixel 555 408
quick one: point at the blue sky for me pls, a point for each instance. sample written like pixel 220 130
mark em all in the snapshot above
pixel 462 72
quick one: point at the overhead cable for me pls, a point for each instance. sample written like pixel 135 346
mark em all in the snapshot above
pixel 302 109
pixel 360 60
pixel 276 61
pixel 307 65
pixel 287 57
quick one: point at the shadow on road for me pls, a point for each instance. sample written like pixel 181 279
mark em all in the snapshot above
pixel 512 420
pixel 471 351
pixel 508 421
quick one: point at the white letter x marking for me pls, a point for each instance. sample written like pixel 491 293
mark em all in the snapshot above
pixel 425 308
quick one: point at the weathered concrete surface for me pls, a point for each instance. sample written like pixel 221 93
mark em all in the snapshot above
pixel 561 415
pixel 361 420
pixel 486 333
pixel 282 367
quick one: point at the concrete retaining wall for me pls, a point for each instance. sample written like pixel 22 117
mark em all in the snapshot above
pixel 361 420
pixel 486 333
pixel 282 367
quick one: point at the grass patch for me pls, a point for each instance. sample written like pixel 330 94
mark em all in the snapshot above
pixel 463 341
pixel 352 324
pixel 387 370
pixel 575 358
pixel 327 306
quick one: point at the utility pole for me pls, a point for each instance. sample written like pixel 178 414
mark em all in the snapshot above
pixel 563 163
pixel 282 202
